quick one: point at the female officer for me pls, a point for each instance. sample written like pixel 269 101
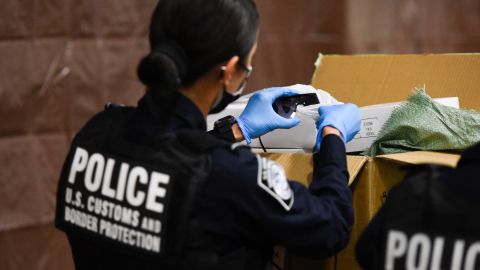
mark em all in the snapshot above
pixel 148 187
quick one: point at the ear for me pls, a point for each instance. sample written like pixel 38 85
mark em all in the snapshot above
pixel 230 69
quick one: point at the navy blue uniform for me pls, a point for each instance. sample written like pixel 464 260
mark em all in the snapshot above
pixel 247 201
pixel 428 221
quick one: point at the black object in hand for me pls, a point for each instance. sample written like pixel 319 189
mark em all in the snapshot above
pixel 286 106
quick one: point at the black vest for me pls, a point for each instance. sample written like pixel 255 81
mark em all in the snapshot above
pixel 426 226
pixel 126 205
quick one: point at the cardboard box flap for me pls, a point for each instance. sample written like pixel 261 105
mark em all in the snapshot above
pixel 373 79
pixel 355 165
pixel 299 167
pixel 421 157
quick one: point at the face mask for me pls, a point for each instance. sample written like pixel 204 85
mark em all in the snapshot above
pixel 222 101
pixel 226 98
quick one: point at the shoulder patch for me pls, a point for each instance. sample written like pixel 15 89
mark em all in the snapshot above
pixel 272 179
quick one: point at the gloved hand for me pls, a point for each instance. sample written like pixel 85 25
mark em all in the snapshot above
pixel 259 118
pixel 345 118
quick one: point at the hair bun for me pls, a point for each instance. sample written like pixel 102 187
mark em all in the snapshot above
pixel 166 65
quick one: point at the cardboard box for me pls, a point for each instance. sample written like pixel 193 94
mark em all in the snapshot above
pixel 370 179
pixel 376 79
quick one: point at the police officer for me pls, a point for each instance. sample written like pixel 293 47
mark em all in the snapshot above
pixel 149 188
pixel 429 221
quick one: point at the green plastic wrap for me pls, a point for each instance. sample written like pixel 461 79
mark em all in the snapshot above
pixel 423 124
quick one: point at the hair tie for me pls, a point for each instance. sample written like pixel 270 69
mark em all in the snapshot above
pixel 175 52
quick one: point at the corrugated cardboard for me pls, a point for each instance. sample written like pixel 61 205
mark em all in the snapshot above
pixel 374 177
pixel 420 157
pixel 299 167
pixel 373 79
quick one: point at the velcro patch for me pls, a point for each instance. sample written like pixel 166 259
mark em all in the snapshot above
pixel 272 179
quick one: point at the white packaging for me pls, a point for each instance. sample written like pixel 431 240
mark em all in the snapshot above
pixel 302 137
pixel 282 138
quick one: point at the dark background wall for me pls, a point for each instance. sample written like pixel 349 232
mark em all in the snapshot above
pixel 61 60
pixel 292 33
pixel 413 26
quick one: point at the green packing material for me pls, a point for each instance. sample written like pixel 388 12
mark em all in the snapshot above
pixel 423 124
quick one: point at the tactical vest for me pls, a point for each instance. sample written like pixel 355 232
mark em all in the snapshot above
pixel 137 198
pixel 427 226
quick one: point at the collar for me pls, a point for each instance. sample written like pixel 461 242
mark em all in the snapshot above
pixel 181 108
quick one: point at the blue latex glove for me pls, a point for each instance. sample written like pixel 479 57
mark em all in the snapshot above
pixel 345 118
pixel 259 118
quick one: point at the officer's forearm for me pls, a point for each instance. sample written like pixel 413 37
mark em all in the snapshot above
pixel 328 205
pixel 330 183
pixel 331 161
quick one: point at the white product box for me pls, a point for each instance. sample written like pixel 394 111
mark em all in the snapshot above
pixel 302 137
pixel 373 118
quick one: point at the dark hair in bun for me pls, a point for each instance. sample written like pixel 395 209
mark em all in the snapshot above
pixel 189 37
pixel 165 65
